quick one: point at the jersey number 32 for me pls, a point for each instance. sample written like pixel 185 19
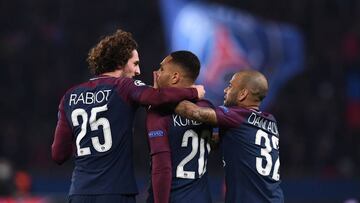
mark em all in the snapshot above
pixel 265 168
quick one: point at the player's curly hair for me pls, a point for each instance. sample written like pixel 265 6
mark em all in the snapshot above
pixel 112 51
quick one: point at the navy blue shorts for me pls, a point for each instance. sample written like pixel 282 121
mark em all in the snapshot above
pixel 102 199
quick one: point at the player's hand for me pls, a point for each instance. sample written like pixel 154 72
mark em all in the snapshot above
pixel 201 90
pixel 155 76
pixel 215 141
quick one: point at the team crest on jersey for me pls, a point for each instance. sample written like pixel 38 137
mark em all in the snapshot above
pixel 139 83
pixel 156 133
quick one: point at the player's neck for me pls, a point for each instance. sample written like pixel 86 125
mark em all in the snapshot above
pixel 249 105
pixel 183 84
pixel 115 73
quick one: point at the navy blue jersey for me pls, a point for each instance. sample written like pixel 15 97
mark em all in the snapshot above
pixel 102 198
pixel 96 119
pixel 250 145
pixel 189 145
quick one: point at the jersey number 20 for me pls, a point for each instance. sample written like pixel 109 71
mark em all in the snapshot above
pixel 265 152
pixel 180 173
pixel 94 125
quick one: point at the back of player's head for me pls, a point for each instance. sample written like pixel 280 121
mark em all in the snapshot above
pixel 255 82
pixel 188 62
pixel 112 51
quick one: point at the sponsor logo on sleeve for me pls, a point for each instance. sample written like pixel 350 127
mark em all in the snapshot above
pixel 156 133
pixel 139 83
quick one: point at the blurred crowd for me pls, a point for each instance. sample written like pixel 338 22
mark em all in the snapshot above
pixel 43 46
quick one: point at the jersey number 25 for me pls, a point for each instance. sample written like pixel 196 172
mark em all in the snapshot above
pixel 94 125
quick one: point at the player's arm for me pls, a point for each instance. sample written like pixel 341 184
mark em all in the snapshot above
pixel 192 111
pixel 210 134
pixel 161 170
pixel 161 177
pixel 146 95
pixel 160 96
pixel 220 116
pixel 62 147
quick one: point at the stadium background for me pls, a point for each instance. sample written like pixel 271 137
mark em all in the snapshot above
pixel 43 46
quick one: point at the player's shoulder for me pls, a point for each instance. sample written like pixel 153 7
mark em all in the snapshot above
pixel 66 96
pixel 268 116
pixel 233 113
pixel 233 109
pixel 99 80
pixel 130 81
pixel 204 103
pixel 73 88
pixel 119 82
pixel 263 114
pixel 92 83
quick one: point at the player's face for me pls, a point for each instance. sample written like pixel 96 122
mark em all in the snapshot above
pixel 164 73
pixel 132 67
pixel 231 92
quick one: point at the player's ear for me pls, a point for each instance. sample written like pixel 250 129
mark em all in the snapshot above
pixel 120 71
pixel 175 78
pixel 119 67
pixel 242 94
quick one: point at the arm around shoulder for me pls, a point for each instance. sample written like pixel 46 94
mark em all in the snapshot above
pixel 192 111
pixel 161 96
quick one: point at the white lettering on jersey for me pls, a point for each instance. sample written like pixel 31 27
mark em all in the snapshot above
pixel 181 122
pixel 263 123
pixel 89 97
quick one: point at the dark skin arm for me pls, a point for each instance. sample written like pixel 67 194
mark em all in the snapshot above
pixel 192 111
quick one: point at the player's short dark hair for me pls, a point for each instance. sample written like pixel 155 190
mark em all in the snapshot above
pixel 112 51
pixel 188 61
pixel 256 82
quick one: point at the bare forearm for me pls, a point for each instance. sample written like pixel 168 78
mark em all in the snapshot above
pixel 194 112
